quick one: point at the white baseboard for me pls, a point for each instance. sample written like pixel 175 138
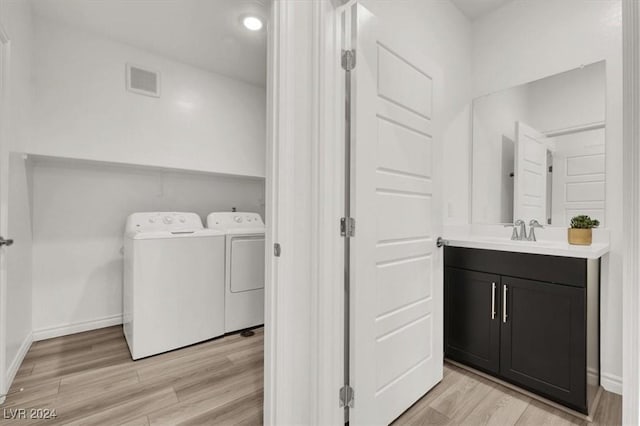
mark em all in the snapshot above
pixel 78 327
pixel 611 383
pixel 17 360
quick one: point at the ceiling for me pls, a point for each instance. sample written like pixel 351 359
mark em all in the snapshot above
pixel 204 33
pixel 475 9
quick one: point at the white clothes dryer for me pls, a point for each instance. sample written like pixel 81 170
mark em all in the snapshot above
pixel 173 282
pixel 244 268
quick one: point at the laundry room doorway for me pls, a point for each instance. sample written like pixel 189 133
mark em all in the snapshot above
pixel 136 137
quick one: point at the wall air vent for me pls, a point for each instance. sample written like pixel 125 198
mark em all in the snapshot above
pixel 143 81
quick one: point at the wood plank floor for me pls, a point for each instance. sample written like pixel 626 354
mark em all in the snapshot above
pixel 90 379
pixel 464 398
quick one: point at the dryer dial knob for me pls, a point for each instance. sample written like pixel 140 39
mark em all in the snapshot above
pixel 238 219
pixel 168 220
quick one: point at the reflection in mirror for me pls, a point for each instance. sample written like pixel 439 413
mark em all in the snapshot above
pixel 539 150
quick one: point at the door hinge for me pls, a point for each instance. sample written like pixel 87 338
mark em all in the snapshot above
pixel 276 250
pixel 347 227
pixel 550 169
pixel 346 396
pixel 348 59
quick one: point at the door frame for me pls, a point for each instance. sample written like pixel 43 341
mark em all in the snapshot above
pixel 5 53
pixel 304 192
pixel 631 191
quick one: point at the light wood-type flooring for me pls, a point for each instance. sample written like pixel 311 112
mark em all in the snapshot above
pixel 464 398
pixel 89 378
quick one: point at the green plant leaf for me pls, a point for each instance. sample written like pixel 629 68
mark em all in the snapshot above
pixel 584 222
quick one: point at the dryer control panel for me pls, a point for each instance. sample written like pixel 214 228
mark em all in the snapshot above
pixel 163 221
pixel 235 220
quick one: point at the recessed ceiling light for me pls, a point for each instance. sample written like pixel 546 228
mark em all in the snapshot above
pixel 252 23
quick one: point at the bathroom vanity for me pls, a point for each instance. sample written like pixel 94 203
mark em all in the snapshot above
pixel 522 305
pixel 529 319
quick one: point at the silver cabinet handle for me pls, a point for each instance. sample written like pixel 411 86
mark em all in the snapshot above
pixel 493 300
pixel 6 242
pixel 504 303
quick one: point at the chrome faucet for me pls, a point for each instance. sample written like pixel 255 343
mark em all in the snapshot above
pixel 533 224
pixel 523 229
pixel 515 235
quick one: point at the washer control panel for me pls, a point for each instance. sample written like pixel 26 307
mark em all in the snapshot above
pixel 234 220
pixel 163 221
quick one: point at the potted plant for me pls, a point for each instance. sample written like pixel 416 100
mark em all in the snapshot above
pixel 581 231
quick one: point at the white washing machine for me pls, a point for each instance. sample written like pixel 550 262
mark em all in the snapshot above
pixel 173 282
pixel 244 278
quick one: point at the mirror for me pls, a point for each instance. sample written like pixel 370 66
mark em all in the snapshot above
pixel 539 150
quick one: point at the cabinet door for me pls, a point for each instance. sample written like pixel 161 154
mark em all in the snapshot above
pixel 472 318
pixel 543 339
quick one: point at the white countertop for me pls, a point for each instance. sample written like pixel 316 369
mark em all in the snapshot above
pixel 551 241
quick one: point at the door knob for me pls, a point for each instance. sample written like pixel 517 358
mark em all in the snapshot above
pixel 441 242
pixel 6 242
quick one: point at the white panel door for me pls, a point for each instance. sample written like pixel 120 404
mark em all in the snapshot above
pixel 530 180
pixel 396 310
pixel 579 176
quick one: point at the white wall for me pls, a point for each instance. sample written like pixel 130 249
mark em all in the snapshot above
pixel 527 40
pixel 444 36
pixel 202 121
pixel 79 212
pixel 15 18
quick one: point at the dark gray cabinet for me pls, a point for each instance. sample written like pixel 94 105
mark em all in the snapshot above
pixel 472 323
pixel 543 339
pixel 541 335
